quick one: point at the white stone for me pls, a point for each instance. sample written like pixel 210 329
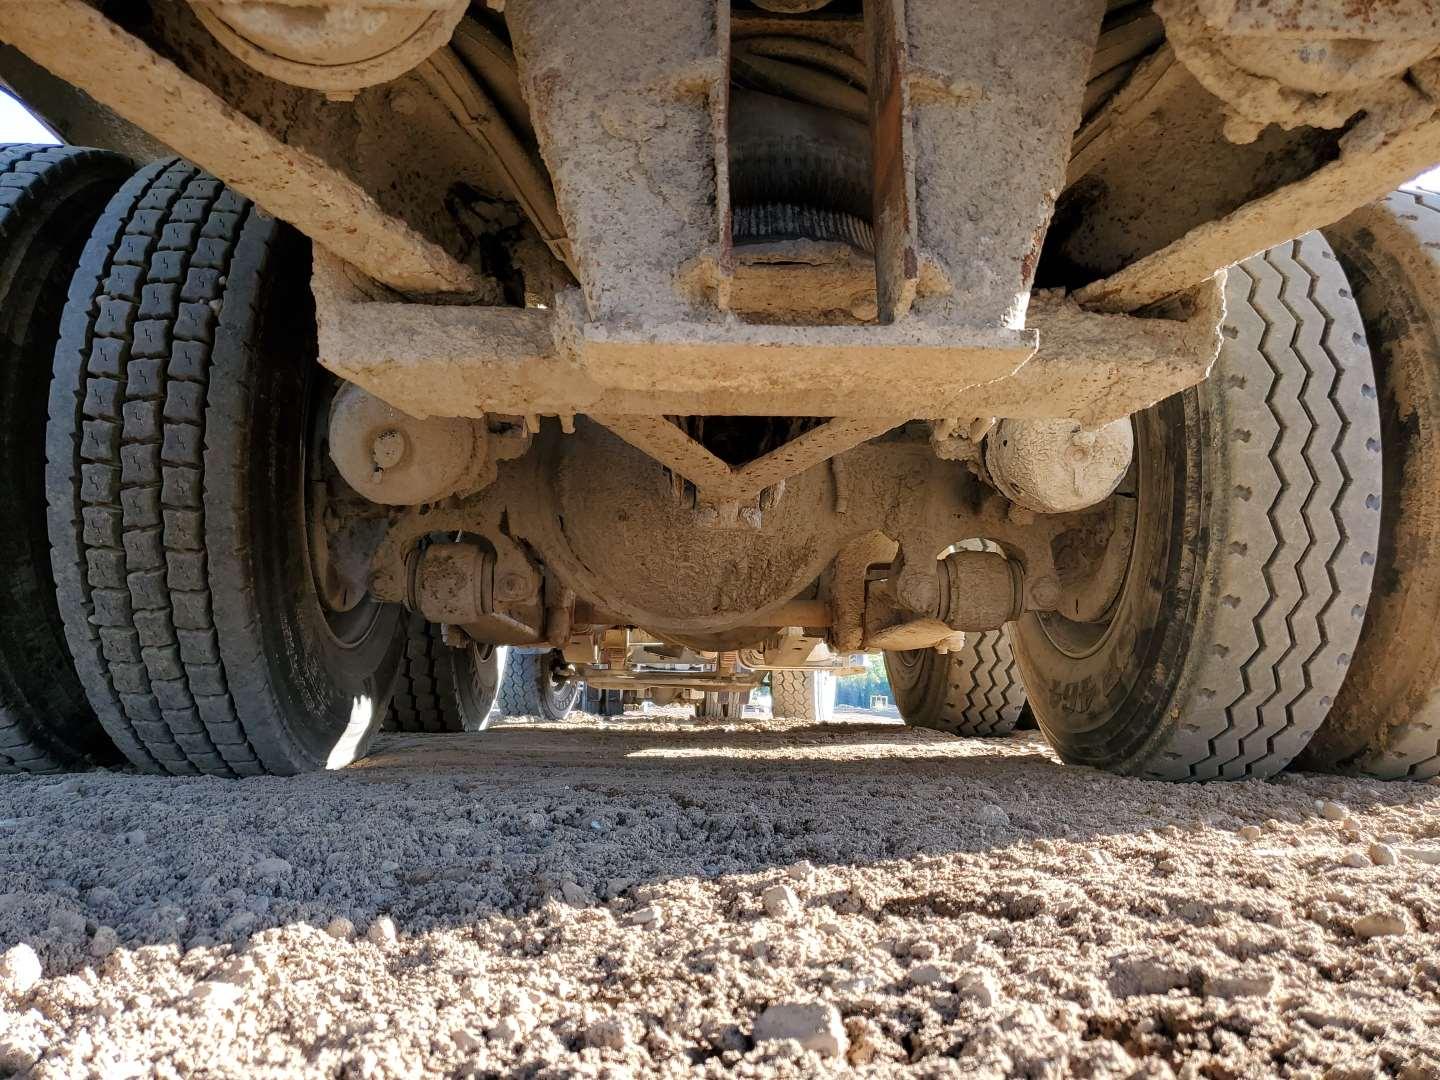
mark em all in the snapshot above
pixel 1383 855
pixel 382 931
pixel 649 915
pixel 1250 832
pixel 814 1025
pixel 979 987
pixel 1357 860
pixel 340 928
pixel 779 901
pixel 1333 811
pixel 271 868
pixel 217 995
pixel 1240 984
pixel 1381 924
pixel 1430 856
pixel 925 975
pixel 20 969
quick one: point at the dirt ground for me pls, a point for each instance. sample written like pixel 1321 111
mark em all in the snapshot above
pixel 659 896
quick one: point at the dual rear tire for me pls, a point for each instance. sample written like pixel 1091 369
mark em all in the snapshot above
pixel 184 445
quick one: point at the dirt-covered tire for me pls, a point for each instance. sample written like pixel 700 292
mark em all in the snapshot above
pixel 1257 498
pixel 533 686
pixel 604 702
pixel 802 695
pixel 184 415
pixel 723 706
pixel 973 690
pixel 1386 719
pixel 442 688
pixel 50 196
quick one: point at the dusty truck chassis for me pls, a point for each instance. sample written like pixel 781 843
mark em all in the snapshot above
pixel 737 326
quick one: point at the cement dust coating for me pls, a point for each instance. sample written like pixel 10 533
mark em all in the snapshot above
pixel 645 895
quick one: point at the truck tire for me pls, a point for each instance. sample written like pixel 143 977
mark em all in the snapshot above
pixel 802 695
pixel 532 686
pixel 50 196
pixel 1386 719
pixel 974 690
pixel 185 417
pixel 723 706
pixel 441 688
pixel 1257 498
pixel 604 702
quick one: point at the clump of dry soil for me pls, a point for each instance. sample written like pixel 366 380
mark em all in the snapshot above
pixel 660 896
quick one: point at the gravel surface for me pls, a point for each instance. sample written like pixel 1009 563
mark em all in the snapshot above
pixel 664 896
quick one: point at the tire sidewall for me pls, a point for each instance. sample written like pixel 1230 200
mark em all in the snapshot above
pixel 325 698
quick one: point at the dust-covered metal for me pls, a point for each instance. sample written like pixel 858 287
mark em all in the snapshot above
pixel 129 77
pixel 1057 466
pixel 339 48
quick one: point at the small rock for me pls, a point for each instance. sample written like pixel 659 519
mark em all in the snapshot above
pixel 606 1035
pixel 814 1025
pixel 925 975
pixel 271 868
pixel 923 949
pixel 20 969
pixel 616 886
pixel 991 815
pixel 1382 854
pixel 864 1038
pixel 804 870
pixel 1240 984
pixel 447 851
pixel 18 1056
pixel 104 942
pixel 101 895
pixel 574 895
pixel 382 931
pixel 780 901
pixel 464 1041
pixel 979 987
pixel 1250 832
pixel 649 915
pixel 1356 860
pixel 1429 856
pixel 1380 924
pixel 67 924
pixel 389 866
pixel 1332 811
pixel 507 1030
pixel 217 995
pixel 340 928
pixel 135 837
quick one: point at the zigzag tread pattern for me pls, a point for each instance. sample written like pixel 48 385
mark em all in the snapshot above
pixel 1293 391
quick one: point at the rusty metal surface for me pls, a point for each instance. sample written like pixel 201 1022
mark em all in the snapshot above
pixel 1369 20
pixel 897 261
pixel 128 77
pixel 718 482
pixel 1323 197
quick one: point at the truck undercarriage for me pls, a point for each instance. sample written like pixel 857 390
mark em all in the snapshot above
pixel 762 333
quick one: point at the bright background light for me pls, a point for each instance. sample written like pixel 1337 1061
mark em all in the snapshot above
pixel 17 125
